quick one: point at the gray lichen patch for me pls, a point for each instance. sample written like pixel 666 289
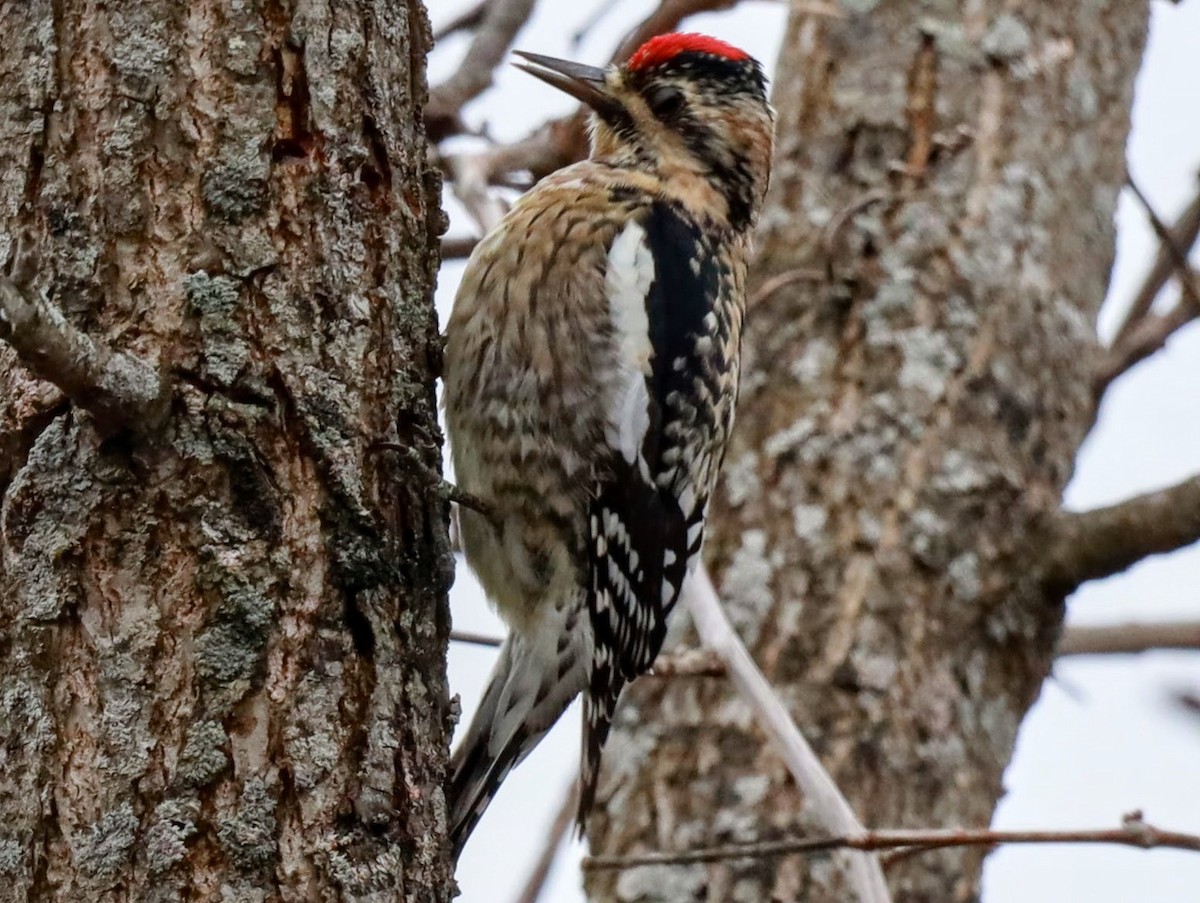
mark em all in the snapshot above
pixel 364 872
pixel 1007 39
pixel 248 834
pixel 740 479
pixel 215 300
pixel 230 649
pixel 312 740
pixel 45 518
pixel 204 755
pixel 746 588
pixel 12 856
pixel 808 522
pixel 125 716
pixel 654 883
pixel 211 296
pixel 929 360
pixel 235 186
pixel 165 842
pixel 140 48
pixel 104 849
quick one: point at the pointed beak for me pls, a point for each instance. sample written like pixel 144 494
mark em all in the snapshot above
pixel 584 83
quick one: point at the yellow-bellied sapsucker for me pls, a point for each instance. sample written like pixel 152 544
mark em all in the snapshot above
pixel 592 364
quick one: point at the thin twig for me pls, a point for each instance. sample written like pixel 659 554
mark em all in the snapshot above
pixel 464 21
pixel 411 458
pixel 833 229
pixel 1126 639
pixel 1148 336
pixel 119 390
pixel 781 281
pixel 827 801
pixel 500 24
pixel 597 16
pixel 469 182
pixel 475 639
pixel 1171 258
pixel 683 663
pixel 1122 639
pixel 1087 545
pixel 1133 833
pixel 532 892
pixel 1187 701
pixel 458 247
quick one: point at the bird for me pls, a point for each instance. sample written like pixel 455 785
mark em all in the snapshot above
pixel 592 359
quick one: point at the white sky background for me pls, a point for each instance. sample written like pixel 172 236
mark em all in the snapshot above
pixel 1104 738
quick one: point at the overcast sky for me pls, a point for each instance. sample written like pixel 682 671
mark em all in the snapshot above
pixel 1104 737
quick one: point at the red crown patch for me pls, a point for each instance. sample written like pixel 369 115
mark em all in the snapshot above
pixel 666 47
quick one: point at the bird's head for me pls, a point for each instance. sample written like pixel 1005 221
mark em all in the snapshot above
pixel 683 105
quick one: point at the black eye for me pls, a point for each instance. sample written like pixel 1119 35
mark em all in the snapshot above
pixel 665 101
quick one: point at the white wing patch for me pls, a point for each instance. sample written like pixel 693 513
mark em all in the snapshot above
pixel 627 281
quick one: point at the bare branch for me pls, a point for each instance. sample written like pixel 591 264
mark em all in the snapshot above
pixel 789 277
pixel 602 9
pixel 684 663
pixel 1126 639
pixel 1134 832
pixel 469 182
pixel 532 892
pixel 1174 243
pixel 1142 333
pixel 550 147
pixel 833 229
pixel 117 389
pixel 458 247
pixel 411 459
pixel 1091 544
pixel 1187 702
pixel 819 789
pixel 464 21
pixel 501 21
pixel 475 639
pixel 1148 336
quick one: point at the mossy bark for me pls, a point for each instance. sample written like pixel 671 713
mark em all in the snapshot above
pixel 912 403
pixel 222 643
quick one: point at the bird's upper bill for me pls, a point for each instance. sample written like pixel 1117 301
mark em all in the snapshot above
pixel 589 83
pixel 584 83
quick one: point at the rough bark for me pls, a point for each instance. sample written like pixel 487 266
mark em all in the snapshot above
pixel 905 431
pixel 222 642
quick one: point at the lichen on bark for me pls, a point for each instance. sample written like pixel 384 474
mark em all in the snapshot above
pixel 224 640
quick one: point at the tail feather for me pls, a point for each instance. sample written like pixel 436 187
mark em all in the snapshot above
pixel 475 781
pixel 537 675
pixel 599 705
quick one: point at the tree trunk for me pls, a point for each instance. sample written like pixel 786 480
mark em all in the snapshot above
pixel 222 640
pixel 917 385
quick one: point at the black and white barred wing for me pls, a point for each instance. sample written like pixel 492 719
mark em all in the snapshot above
pixel 671 409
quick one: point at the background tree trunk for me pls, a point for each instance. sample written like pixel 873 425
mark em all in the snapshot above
pixel 222 643
pixel 907 424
